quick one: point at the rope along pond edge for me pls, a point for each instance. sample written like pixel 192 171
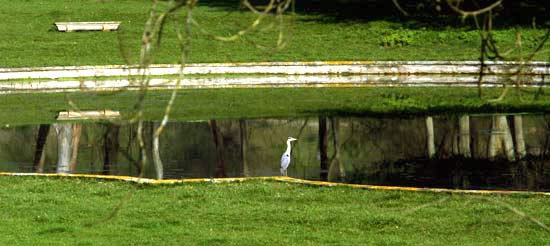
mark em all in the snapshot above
pixel 279 179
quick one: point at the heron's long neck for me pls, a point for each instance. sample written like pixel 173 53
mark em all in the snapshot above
pixel 287 147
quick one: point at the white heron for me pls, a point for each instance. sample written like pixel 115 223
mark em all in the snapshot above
pixel 285 159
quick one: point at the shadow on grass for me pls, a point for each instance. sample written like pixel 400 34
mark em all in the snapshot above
pixel 411 111
pixel 427 14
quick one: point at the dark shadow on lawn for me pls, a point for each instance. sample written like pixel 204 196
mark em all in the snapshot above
pixel 411 111
pixel 422 14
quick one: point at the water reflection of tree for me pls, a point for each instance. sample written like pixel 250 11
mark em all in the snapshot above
pixel 545 150
pixel 217 139
pixel 323 143
pixel 456 172
pixel 75 145
pixel 337 170
pixel 243 136
pixel 111 147
pixel 12 143
pixel 519 137
pixel 39 153
pixel 430 137
pixel 64 132
pixel 131 148
pixel 386 138
pixel 455 137
pixel 458 138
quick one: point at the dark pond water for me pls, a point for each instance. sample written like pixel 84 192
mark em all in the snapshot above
pixel 466 151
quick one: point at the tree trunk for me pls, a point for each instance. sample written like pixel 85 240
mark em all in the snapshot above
pixel 64 138
pixel 39 155
pixel 323 142
pixel 218 142
pixel 243 135
pixel 430 139
pixel 110 147
pixel 77 132
pixel 518 132
pixel 464 139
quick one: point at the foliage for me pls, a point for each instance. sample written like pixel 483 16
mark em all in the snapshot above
pixel 399 38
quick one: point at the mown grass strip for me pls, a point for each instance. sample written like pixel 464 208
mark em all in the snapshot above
pixel 39 210
pixel 204 104
pixel 274 178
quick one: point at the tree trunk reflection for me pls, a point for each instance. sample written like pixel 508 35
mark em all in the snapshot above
pixel 110 147
pixel 337 170
pixel 464 136
pixel 519 140
pixel 39 154
pixel 64 145
pixel 323 142
pixel 75 143
pixel 218 143
pixel 501 139
pixel 430 138
pixel 244 145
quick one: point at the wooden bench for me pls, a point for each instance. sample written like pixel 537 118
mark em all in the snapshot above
pixel 88 115
pixel 104 26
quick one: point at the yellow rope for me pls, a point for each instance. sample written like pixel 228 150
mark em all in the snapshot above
pixel 276 178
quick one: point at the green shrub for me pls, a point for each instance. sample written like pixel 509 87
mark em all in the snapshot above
pixel 398 38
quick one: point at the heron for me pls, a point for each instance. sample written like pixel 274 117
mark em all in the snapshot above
pixel 285 159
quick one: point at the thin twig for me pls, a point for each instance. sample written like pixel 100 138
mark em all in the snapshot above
pixel 475 12
pixel 517 212
pixel 425 205
pixel 398 6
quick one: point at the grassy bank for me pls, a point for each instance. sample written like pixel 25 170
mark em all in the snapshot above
pixel 204 104
pixel 59 211
pixel 29 39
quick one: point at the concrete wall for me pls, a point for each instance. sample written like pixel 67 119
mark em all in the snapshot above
pixel 295 68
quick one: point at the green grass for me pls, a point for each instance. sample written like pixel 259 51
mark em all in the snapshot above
pixel 29 38
pixel 58 211
pixel 204 104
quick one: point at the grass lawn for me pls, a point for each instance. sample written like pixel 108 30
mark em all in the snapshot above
pixel 29 38
pixel 59 211
pixel 204 104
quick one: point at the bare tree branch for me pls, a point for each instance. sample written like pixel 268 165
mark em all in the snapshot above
pixel 475 12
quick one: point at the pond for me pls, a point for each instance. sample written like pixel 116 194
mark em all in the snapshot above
pixel 510 152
